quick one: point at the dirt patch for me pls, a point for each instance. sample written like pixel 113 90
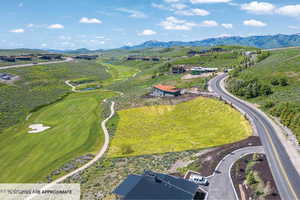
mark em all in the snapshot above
pixel 292 74
pixel 190 76
pixel 206 163
pixel 263 187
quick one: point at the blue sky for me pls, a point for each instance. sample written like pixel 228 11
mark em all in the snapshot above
pixel 104 24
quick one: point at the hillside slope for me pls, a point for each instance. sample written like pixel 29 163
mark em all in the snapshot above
pixel 281 73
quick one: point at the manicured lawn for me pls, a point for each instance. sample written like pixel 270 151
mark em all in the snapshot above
pixel 75 131
pixel 40 85
pixel 119 72
pixel 196 124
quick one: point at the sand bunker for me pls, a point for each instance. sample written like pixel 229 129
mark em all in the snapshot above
pixel 37 128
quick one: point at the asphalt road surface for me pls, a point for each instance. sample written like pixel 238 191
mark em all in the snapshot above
pixel 43 63
pixel 220 183
pixel 286 177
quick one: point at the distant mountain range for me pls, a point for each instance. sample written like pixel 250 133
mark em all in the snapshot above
pixel 264 42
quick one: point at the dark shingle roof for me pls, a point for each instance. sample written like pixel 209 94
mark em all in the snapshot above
pixel 152 186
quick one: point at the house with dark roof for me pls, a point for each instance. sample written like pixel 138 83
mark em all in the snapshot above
pixel 154 186
pixel 178 69
pixel 165 90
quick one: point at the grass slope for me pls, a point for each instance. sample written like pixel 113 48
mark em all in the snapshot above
pixel 284 102
pixel 196 124
pixel 75 130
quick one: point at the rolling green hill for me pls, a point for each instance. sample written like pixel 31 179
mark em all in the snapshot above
pixel 281 73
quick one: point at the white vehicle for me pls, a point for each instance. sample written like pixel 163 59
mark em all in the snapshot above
pixel 198 179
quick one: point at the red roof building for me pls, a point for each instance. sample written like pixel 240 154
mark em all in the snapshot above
pixel 165 90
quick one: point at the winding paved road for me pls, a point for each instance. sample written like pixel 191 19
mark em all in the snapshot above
pixel 43 63
pixel 286 176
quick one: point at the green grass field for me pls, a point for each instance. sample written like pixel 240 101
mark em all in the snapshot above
pixel 119 73
pixel 196 124
pixel 75 131
pixel 41 85
pixel 74 120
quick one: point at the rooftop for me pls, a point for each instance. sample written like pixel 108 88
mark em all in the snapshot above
pixel 167 88
pixel 153 185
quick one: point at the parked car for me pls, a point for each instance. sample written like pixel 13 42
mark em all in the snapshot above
pixel 198 180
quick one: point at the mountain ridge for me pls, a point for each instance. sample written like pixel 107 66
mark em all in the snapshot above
pixel 264 42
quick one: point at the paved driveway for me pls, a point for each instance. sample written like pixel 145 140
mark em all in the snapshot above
pixel 220 183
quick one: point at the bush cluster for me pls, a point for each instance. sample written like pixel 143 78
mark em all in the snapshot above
pixel 249 88
pixel 289 114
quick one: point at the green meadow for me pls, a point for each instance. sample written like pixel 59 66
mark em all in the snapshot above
pixel 196 124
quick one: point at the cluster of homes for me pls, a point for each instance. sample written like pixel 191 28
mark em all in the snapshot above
pixel 6 77
pixel 31 57
pixel 157 186
pixel 86 57
pixel 194 70
pixel 147 58
pixel 205 51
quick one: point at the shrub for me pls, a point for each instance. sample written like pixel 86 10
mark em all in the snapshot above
pixel 250 179
pixel 275 81
pixel 283 82
pixel 126 149
pixel 269 104
pixel 263 56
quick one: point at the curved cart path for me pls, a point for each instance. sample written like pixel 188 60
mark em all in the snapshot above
pixel 99 154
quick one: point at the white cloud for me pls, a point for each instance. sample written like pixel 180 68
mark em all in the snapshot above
pixel 20 4
pixel 19 30
pixel 44 45
pixel 294 27
pixel 209 23
pixel 62 37
pixel 96 42
pixel 253 22
pixel 209 1
pixel 193 12
pixel 56 26
pixel 258 7
pixel 133 13
pixel 172 23
pixel 289 10
pixel 228 26
pixel 223 36
pixel 30 25
pixel 160 6
pixel 86 20
pixel 147 32
pixel 171 1
pixel 68 44
pixel 178 6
